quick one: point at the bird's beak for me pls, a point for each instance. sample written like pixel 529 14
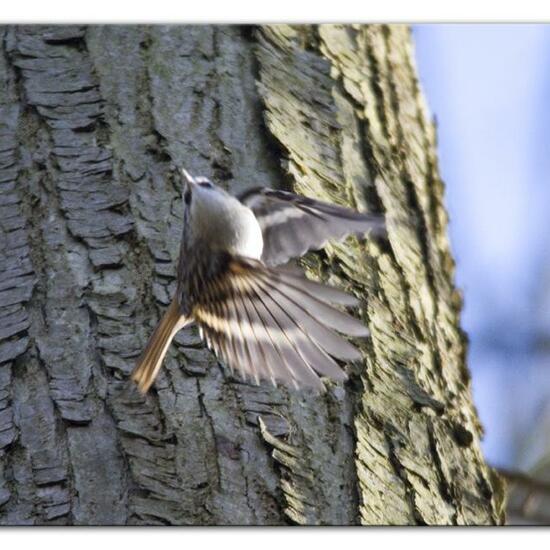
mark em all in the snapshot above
pixel 190 179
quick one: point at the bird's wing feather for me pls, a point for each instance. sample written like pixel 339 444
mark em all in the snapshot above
pixel 291 224
pixel 269 324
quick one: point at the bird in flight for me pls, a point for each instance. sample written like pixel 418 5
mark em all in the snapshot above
pixel 264 321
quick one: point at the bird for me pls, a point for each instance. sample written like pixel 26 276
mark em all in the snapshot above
pixel 264 321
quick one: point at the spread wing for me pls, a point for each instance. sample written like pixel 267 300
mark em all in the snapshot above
pixel 292 224
pixel 270 324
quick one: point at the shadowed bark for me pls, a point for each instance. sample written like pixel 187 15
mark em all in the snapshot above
pixel 93 121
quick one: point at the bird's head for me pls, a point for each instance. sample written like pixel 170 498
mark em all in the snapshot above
pixel 205 204
pixel 198 189
pixel 217 218
pixel 201 197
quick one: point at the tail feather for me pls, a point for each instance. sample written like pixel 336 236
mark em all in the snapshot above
pixel 151 359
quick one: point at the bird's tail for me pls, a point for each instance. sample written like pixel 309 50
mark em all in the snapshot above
pixel 151 359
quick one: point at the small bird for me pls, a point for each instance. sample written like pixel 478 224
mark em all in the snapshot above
pixel 264 321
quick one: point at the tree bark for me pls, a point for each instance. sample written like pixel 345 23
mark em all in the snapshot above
pixel 93 121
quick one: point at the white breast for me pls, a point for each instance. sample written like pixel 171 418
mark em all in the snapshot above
pixel 249 241
pixel 226 224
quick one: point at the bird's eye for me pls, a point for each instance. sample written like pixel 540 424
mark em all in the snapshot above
pixel 206 184
pixel 187 197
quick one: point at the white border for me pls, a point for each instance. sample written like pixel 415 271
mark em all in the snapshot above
pixel 248 11
pixel 272 538
pixel 232 11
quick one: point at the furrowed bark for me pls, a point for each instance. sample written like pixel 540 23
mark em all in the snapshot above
pixel 93 121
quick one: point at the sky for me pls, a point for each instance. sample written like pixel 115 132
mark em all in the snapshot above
pixel 488 87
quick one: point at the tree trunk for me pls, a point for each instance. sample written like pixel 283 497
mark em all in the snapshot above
pixel 93 121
